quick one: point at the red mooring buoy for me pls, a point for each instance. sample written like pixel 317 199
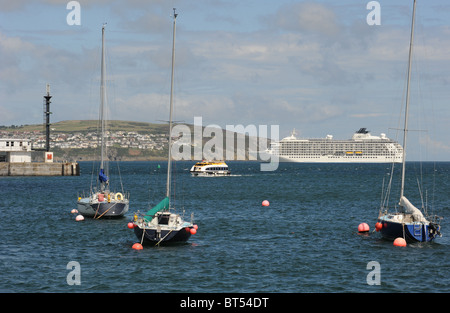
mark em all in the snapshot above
pixel 378 226
pixel 363 228
pixel 400 242
pixel 137 246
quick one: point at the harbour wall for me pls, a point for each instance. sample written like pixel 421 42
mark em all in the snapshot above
pixel 39 169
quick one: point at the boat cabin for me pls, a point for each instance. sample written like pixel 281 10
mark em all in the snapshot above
pixel 166 218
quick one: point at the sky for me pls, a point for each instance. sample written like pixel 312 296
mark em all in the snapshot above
pixel 316 66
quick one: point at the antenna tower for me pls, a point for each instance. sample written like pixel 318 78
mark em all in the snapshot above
pixel 47 113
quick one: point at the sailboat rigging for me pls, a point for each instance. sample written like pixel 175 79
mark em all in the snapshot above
pixel 102 202
pixel 161 224
pixel 409 222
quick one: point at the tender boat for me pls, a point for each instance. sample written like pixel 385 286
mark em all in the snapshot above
pixel 212 168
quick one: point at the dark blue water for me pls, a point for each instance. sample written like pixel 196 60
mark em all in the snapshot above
pixel 305 241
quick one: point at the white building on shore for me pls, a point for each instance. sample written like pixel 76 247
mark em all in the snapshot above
pixel 15 150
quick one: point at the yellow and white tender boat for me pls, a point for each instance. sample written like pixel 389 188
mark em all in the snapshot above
pixel 210 168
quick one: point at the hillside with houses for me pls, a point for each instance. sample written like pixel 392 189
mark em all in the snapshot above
pixel 79 140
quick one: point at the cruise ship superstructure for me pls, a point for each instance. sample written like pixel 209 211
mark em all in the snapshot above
pixel 361 148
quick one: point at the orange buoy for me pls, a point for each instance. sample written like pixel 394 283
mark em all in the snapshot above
pixel 193 231
pixel 400 242
pixel 74 211
pixel 79 218
pixel 265 203
pixel 363 228
pixel 378 226
pixel 130 225
pixel 195 226
pixel 188 229
pixel 137 246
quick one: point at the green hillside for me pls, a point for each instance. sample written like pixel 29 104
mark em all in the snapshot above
pixel 74 140
pixel 73 126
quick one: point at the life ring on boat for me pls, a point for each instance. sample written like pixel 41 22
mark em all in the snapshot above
pixel 119 196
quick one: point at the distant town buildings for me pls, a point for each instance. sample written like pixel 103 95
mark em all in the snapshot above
pixel 118 139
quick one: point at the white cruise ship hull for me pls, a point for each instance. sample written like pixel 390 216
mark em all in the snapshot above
pixel 343 159
pixel 361 148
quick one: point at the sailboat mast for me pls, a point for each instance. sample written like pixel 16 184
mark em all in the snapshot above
pixel 405 130
pixel 169 162
pixel 102 99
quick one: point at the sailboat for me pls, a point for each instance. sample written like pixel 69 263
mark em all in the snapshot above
pixel 102 202
pixel 161 224
pixel 408 222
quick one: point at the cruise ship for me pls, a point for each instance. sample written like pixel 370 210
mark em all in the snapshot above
pixel 361 148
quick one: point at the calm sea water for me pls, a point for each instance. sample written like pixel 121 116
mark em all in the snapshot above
pixel 305 241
